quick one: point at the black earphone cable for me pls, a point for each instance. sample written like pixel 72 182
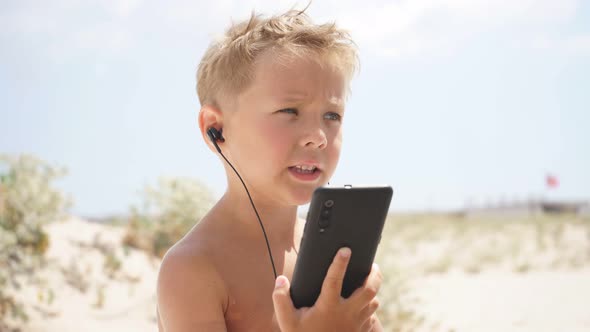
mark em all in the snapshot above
pixel 274 270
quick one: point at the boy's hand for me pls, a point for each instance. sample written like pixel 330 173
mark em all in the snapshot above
pixel 331 312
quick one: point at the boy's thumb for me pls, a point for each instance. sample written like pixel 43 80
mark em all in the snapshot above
pixel 281 282
pixel 283 305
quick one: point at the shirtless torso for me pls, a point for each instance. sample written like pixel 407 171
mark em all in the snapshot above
pixel 244 267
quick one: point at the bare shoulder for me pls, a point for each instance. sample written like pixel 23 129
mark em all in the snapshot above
pixel 191 293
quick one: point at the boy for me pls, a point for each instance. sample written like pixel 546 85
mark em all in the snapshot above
pixel 276 90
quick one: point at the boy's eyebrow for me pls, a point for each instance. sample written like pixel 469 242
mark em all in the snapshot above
pixel 294 97
pixel 334 101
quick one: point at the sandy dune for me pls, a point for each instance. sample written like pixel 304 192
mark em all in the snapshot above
pixel 85 297
pixel 438 280
pixel 541 301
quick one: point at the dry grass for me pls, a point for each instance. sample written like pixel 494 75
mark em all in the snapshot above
pixel 420 245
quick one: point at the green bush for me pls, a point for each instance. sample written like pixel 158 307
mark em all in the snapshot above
pixel 27 203
pixel 168 212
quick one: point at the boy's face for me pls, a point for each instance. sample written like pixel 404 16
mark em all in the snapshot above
pixel 290 116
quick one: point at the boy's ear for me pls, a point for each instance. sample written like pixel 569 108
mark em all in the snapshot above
pixel 210 116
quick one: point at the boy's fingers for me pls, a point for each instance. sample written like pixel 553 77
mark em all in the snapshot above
pixel 370 287
pixel 369 325
pixel 283 305
pixel 332 286
pixel 369 310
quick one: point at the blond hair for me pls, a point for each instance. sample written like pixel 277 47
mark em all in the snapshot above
pixel 227 67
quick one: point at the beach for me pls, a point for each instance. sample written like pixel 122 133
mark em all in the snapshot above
pixel 440 274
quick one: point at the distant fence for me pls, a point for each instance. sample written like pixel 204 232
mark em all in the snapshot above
pixel 531 207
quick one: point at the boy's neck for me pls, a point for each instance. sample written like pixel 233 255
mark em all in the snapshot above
pixel 279 221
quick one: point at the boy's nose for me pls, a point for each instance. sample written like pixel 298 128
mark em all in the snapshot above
pixel 315 138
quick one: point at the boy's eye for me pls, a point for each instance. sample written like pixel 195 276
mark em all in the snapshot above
pixel 333 116
pixel 289 111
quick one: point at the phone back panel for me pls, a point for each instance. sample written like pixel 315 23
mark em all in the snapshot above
pixel 355 219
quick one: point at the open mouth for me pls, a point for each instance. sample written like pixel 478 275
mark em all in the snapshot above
pixel 305 172
pixel 304 169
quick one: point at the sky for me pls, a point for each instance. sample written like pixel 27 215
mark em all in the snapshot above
pixel 457 101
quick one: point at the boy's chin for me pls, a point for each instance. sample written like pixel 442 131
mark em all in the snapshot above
pixel 303 201
pixel 302 197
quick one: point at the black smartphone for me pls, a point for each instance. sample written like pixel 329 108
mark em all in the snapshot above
pixel 347 216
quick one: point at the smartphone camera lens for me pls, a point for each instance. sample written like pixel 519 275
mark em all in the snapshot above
pixel 325 214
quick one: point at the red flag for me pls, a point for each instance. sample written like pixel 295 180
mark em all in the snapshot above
pixel 552 181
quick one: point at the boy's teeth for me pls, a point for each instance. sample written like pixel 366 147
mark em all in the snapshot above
pixel 304 169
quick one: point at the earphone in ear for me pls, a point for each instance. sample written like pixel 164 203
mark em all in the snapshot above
pixel 215 135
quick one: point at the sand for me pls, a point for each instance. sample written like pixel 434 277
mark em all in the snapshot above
pixel 541 297
pixel 91 300
pixel 502 301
